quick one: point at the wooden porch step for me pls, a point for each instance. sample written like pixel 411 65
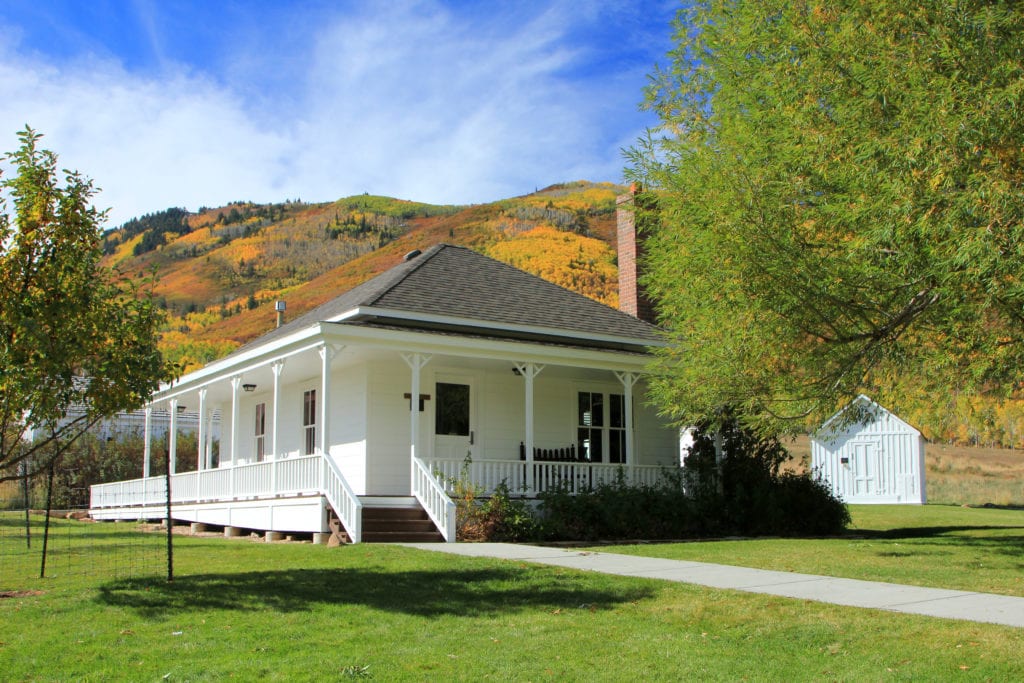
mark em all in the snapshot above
pixel 399 525
pixel 388 525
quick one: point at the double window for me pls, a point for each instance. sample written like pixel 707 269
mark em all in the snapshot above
pixel 601 427
pixel 309 422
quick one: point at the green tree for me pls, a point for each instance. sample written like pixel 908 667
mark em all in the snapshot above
pixel 77 342
pixel 840 187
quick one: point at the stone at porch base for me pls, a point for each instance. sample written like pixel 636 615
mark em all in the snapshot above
pixel 321 538
pixel 233 532
pixel 272 536
pixel 197 528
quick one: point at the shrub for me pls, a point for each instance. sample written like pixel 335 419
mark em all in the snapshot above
pixel 617 510
pixel 498 517
pixel 739 492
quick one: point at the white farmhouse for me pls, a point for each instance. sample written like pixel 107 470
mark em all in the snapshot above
pixel 869 455
pixel 368 405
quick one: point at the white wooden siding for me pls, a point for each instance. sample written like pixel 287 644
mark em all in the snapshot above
pixel 348 425
pixel 387 434
pixel 656 443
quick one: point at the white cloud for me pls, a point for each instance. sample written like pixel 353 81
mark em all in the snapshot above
pixel 413 101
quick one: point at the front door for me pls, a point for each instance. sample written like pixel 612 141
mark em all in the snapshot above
pixel 865 469
pixel 454 417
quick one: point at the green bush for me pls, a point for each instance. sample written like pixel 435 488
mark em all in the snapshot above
pixel 730 488
pixel 617 510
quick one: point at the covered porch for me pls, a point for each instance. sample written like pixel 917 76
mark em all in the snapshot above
pixel 320 428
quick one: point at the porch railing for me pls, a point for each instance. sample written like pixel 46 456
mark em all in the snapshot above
pixel 431 495
pixel 305 475
pixel 573 477
pixel 343 499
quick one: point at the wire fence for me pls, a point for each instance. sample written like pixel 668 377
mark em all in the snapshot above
pixel 76 547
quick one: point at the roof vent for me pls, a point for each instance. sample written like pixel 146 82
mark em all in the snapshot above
pixel 411 255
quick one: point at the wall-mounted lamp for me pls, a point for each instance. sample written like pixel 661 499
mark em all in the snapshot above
pixel 181 409
pixel 516 371
pixel 249 388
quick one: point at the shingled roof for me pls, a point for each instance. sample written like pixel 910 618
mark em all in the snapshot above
pixel 452 288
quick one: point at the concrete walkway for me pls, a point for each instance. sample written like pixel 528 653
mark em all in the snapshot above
pixel 932 602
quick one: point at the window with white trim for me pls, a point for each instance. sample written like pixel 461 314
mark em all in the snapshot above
pixel 261 431
pixel 309 422
pixel 601 427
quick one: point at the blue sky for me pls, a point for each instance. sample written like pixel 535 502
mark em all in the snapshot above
pixel 197 102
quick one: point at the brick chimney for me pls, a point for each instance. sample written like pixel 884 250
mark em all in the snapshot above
pixel 632 297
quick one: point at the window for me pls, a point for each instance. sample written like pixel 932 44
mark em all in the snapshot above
pixel 452 416
pixel 261 430
pixel 590 425
pixel 601 419
pixel 617 428
pixel 309 421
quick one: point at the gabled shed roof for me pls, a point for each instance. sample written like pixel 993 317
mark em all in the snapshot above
pixel 871 408
pixel 452 289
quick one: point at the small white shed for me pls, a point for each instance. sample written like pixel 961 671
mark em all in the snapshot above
pixel 869 455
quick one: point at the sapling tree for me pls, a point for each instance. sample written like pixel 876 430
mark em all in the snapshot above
pixel 78 341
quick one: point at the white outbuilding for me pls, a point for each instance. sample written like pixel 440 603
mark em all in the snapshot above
pixel 867 454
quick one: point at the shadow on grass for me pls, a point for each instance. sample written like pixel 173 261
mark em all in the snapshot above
pixel 948 536
pixel 462 592
pixel 933 531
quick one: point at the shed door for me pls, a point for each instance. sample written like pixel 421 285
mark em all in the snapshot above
pixel 865 469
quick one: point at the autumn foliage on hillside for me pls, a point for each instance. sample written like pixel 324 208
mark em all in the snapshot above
pixel 221 269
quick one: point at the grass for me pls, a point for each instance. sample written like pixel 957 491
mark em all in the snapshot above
pixel 927 545
pixel 248 611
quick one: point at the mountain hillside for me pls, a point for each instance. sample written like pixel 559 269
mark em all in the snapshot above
pixel 220 270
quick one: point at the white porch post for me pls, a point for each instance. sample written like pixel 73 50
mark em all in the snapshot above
pixel 629 380
pixel 327 353
pixel 277 368
pixel 209 438
pixel 529 371
pixel 201 431
pixel 172 437
pixel 236 384
pixel 147 438
pixel 416 362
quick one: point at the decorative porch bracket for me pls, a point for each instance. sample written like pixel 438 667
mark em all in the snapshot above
pixel 529 372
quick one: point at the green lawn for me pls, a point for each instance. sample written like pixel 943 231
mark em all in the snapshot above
pixel 249 611
pixel 927 545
